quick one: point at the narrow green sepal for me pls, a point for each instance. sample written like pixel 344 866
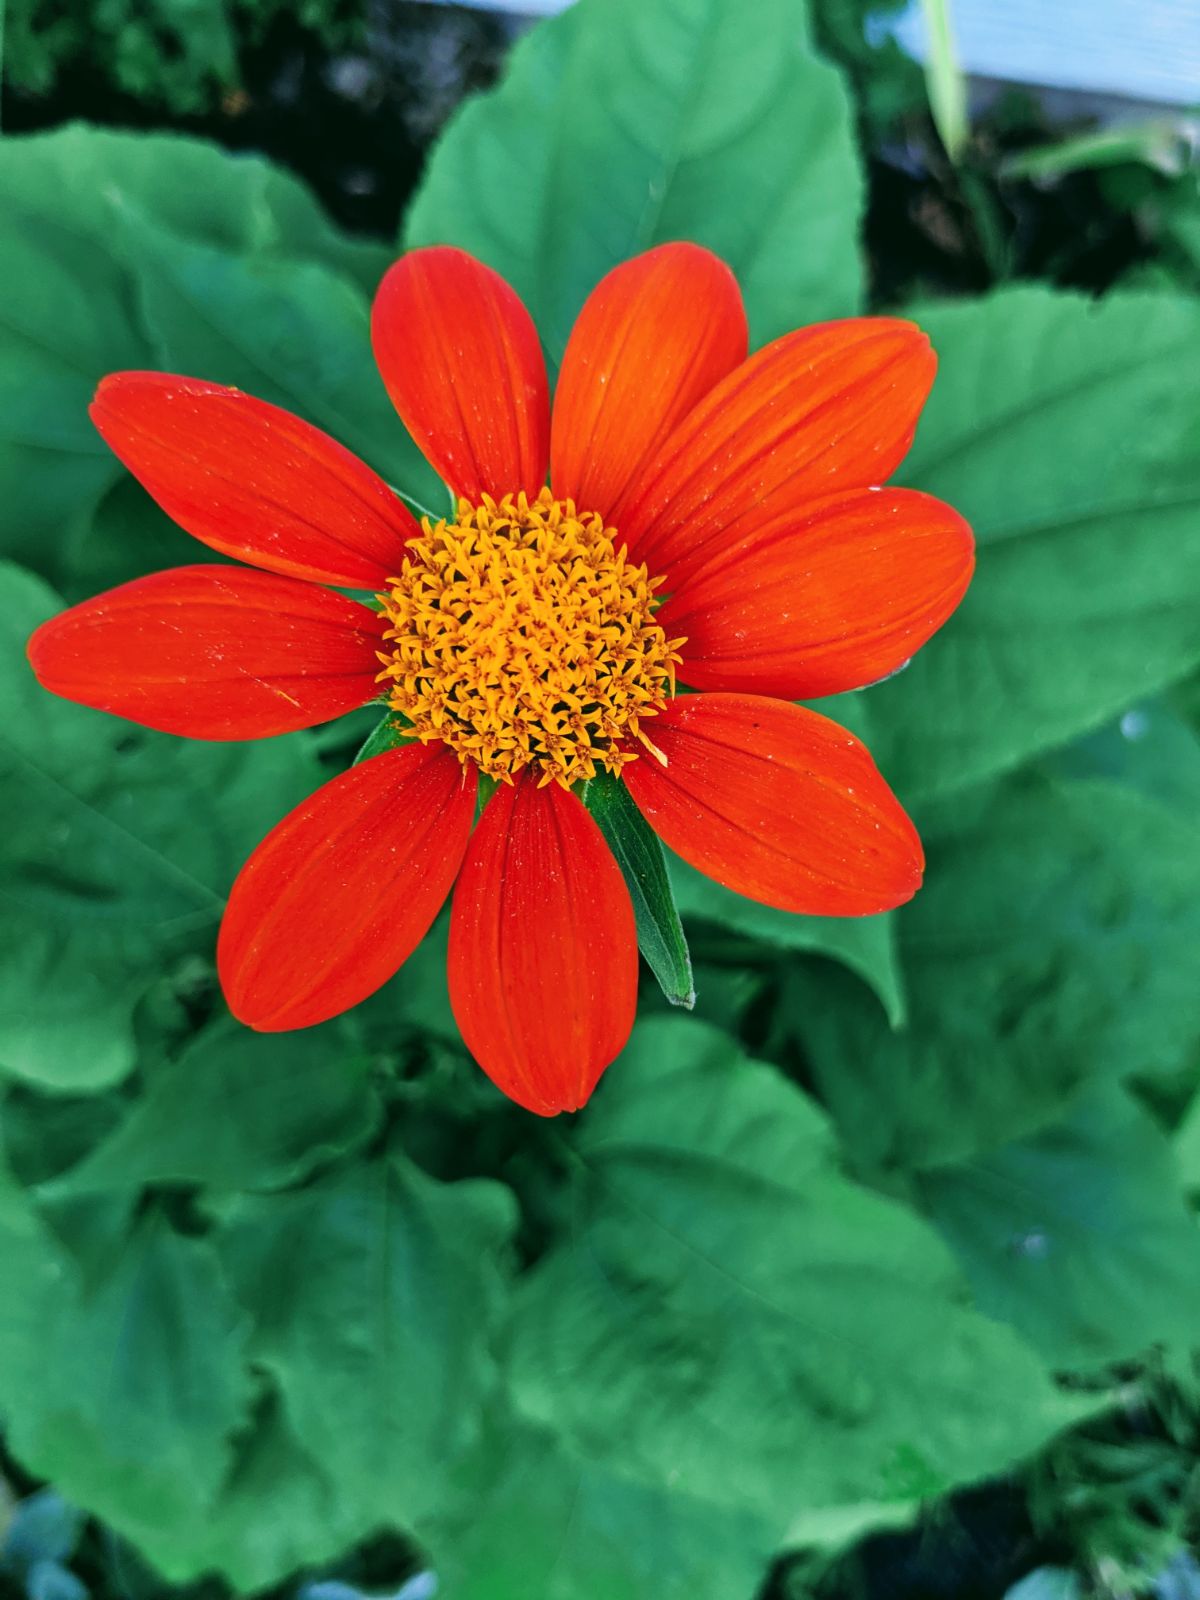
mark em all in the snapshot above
pixel 391 730
pixel 640 857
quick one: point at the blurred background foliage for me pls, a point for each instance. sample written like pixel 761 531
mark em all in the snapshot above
pixel 879 1276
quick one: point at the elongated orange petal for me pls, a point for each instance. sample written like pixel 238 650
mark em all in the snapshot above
pixel 826 600
pixel 460 358
pixel 821 410
pixel 543 948
pixel 653 338
pixel 253 481
pixel 339 895
pixel 213 652
pixel 777 803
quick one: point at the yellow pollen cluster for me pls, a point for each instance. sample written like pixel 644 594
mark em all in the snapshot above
pixel 520 635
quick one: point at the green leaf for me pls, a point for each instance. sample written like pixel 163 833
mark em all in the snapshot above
pixel 70 309
pixel 1078 1235
pixel 277 1510
pixel 624 123
pixel 1068 433
pixel 1151 748
pixel 34 1273
pixel 643 862
pixel 1052 947
pixel 945 79
pixel 380 1346
pixel 236 202
pixel 1187 1144
pixel 238 1110
pixel 720 1292
pixel 129 1414
pixel 866 945
pixel 119 847
pixel 293 333
pixel 559 1528
pixel 387 734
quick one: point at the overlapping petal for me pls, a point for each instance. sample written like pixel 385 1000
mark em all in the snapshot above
pixel 339 895
pixel 825 600
pixel 821 410
pixel 653 338
pixel 253 481
pixel 213 652
pixel 543 948
pixel 460 357
pixel 777 803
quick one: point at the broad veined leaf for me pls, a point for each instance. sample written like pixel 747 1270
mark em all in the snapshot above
pixel 118 849
pixel 34 1273
pixel 277 1510
pixel 1067 432
pixel 624 123
pixel 294 333
pixel 551 1525
pixel 1077 1235
pixel 1151 747
pixel 866 945
pixel 70 310
pixel 642 860
pixel 380 1347
pixel 1052 947
pixel 726 1316
pixel 234 201
pixel 130 1415
pixel 62 325
pixel 237 1110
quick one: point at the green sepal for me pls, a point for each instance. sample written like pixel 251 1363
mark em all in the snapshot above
pixel 391 730
pixel 640 857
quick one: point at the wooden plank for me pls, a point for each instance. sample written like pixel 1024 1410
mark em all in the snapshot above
pixel 1143 49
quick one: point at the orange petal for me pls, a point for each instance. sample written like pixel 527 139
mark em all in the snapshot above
pixel 824 409
pixel 461 360
pixel 253 481
pixel 213 653
pixel 653 338
pixel 777 803
pixel 830 599
pixel 339 895
pixel 543 948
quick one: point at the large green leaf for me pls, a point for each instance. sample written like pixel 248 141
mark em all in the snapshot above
pixel 71 260
pixel 727 1316
pixel 624 123
pixel 237 1110
pixel 1068 433
pixel 83 176
pixel 294 333
pixel 1077 1235
pixel 560 1528
pixel 276 1511
pixel 380 1345
pixel 118 848
pixel 866 945
pixel 134 1380
pixel 1053 946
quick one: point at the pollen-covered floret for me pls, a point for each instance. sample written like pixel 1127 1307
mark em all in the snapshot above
pixel 521 635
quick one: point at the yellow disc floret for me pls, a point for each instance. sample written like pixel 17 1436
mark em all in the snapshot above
pixel 521 635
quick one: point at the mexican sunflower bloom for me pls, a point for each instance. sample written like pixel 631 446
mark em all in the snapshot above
pixel 687 519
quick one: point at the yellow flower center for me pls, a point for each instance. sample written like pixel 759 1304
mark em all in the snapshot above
pixel 521 635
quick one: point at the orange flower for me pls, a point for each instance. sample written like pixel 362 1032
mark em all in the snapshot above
pixel 710 518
